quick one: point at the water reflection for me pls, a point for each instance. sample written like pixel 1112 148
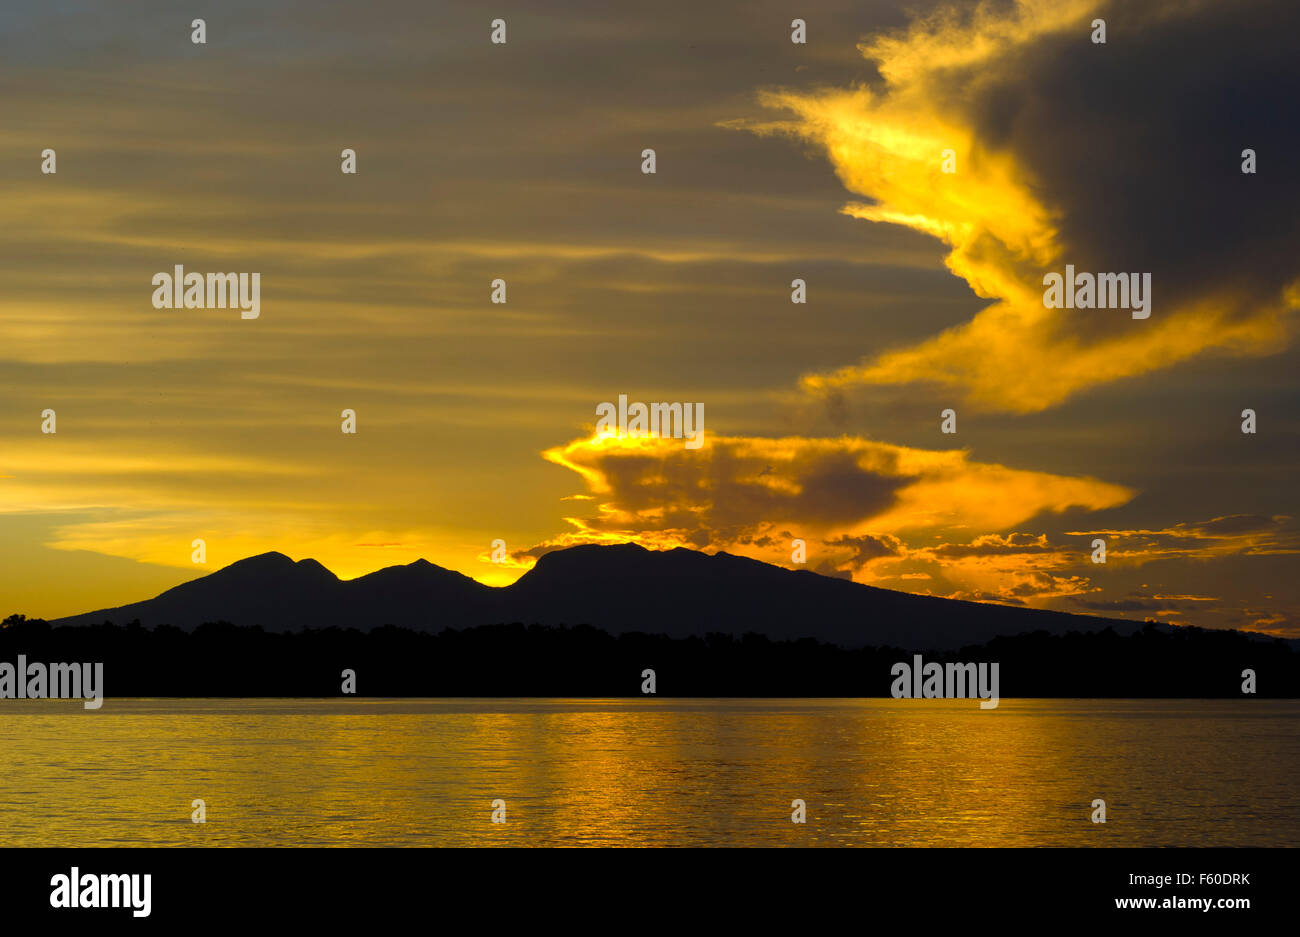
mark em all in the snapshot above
pixel 650 772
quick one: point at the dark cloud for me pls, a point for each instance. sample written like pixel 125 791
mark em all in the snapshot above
pixel 1243 534
pixel 996 545
pixel 1125 605
pixel 1137 144
pixel 1240 523
pixel 866 547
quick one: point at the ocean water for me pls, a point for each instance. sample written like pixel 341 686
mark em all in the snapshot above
pixel 652 772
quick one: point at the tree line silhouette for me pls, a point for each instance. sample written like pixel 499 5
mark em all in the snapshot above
pixel 221 659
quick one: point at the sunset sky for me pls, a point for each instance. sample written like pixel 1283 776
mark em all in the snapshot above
pixel 774 161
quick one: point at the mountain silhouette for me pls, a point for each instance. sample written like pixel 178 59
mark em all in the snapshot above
pixel 619 589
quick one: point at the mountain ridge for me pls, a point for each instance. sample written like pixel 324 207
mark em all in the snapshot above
pixel 618 588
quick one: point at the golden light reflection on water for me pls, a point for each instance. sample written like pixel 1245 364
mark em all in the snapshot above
pixel 649 772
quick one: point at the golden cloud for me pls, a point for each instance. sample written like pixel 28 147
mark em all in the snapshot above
pixel 852 500
pixel 1000 220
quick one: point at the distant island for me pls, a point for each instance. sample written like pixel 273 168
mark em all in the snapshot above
pixel 619 589
pixel 598 616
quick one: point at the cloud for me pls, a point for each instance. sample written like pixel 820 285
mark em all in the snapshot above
pixel 1071 152
pixel 1016 568
pixel 1013 544
pixel 1232 535
pixel 867 548
pixel 855 501
pixel 1143 602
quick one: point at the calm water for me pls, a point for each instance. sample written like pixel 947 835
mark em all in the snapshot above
pixel 654 772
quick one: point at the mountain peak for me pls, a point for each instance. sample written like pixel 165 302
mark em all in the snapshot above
pixel 313 567
pixel 276 564
pixel 271 560
pixel 591 552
